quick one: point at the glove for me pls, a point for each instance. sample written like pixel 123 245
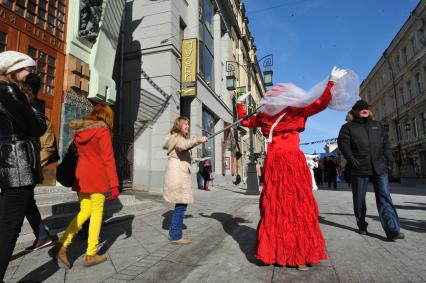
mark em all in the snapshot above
pixel 114 195
pixel 243 97
pixel 336 74
pixel 354 162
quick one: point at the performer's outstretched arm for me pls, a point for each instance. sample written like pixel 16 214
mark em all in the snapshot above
pixel 321 103
pixel 251 122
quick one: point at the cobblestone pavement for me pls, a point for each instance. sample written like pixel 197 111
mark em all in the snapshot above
pixel 222 226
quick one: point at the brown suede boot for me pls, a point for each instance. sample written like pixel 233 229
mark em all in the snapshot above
pixel 94 259
pixel 60 254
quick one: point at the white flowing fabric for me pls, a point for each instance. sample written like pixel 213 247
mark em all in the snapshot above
pixel 345 93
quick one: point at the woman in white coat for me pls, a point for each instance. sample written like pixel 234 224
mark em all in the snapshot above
pixel 177 182
pixel 312 164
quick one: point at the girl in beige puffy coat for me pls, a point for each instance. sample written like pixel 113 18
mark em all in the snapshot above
pixel 177 182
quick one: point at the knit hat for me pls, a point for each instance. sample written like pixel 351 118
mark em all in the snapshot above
pixel 12 61
pixel 360 104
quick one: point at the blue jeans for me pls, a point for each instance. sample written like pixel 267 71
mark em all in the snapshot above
pixel 175 231
pixel 387 213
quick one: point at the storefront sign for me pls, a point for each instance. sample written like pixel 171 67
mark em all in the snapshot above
pixel 189 67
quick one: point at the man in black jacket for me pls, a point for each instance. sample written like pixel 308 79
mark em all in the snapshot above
pixel 364 143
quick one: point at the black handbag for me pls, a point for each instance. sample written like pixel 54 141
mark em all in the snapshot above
pixel 65 172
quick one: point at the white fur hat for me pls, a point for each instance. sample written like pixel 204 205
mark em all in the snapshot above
pixel 12 60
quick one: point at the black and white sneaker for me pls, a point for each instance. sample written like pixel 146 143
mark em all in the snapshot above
pixel 39 244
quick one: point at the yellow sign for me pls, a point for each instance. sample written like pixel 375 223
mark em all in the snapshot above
pixel 189 67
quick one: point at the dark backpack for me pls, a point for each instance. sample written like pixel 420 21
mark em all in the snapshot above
pixel 65 172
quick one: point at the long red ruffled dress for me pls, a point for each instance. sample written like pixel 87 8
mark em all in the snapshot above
pixel 288 232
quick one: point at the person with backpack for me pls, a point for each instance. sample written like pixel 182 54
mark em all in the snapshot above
pixel 95 175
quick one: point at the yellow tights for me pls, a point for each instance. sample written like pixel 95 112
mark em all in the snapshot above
pixel 91 206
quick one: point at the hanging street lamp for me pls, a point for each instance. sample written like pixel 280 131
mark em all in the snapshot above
pixel 267 68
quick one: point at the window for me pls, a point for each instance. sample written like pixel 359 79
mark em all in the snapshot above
pixel 46 68
pixel 208 15
pixel 2 41
pixel 418 84
pixel 47 14
pixel 413 45
pixel 206 42
pixel 404 55
pixel 424 73
pixel 401 96
pixel 31 10
pixel 423 121
pixel 20 7
pixel 409 92
pixel 420 36
pixel 8 3
pixel 414 127
pixel 390 104
pixel 208 124
pixel 398 62
pixel 378 111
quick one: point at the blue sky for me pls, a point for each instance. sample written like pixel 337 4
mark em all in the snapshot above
pixel 309 37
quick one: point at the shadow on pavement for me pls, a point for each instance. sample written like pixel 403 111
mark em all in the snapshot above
pixel 324 221
pixel 245 236
pixel 167 220
pixel 414 225
pixel 418 206
pixel 231 190
pixel 109 235
pixel 395 188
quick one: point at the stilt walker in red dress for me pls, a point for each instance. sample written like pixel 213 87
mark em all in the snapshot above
pixel 288 232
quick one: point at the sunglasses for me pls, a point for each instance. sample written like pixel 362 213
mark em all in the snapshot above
pixel 30 69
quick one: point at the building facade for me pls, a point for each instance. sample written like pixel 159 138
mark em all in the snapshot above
pixel 93 30
pixel 396 90
pixel 174 57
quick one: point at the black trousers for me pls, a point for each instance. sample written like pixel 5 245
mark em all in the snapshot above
pixel 34 219
pixel 13 205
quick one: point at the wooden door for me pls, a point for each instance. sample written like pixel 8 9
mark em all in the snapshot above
pixel 50 67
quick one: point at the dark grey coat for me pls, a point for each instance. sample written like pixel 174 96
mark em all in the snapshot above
pixel 365 141
pixel 20 127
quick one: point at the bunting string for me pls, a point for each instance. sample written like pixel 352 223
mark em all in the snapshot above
pixel 320 141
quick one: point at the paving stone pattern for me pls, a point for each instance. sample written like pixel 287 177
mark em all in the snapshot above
pixel 222 226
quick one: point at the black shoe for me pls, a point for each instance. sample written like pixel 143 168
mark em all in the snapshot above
pixel 39 244
pixel 395 236
pixel 363 232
